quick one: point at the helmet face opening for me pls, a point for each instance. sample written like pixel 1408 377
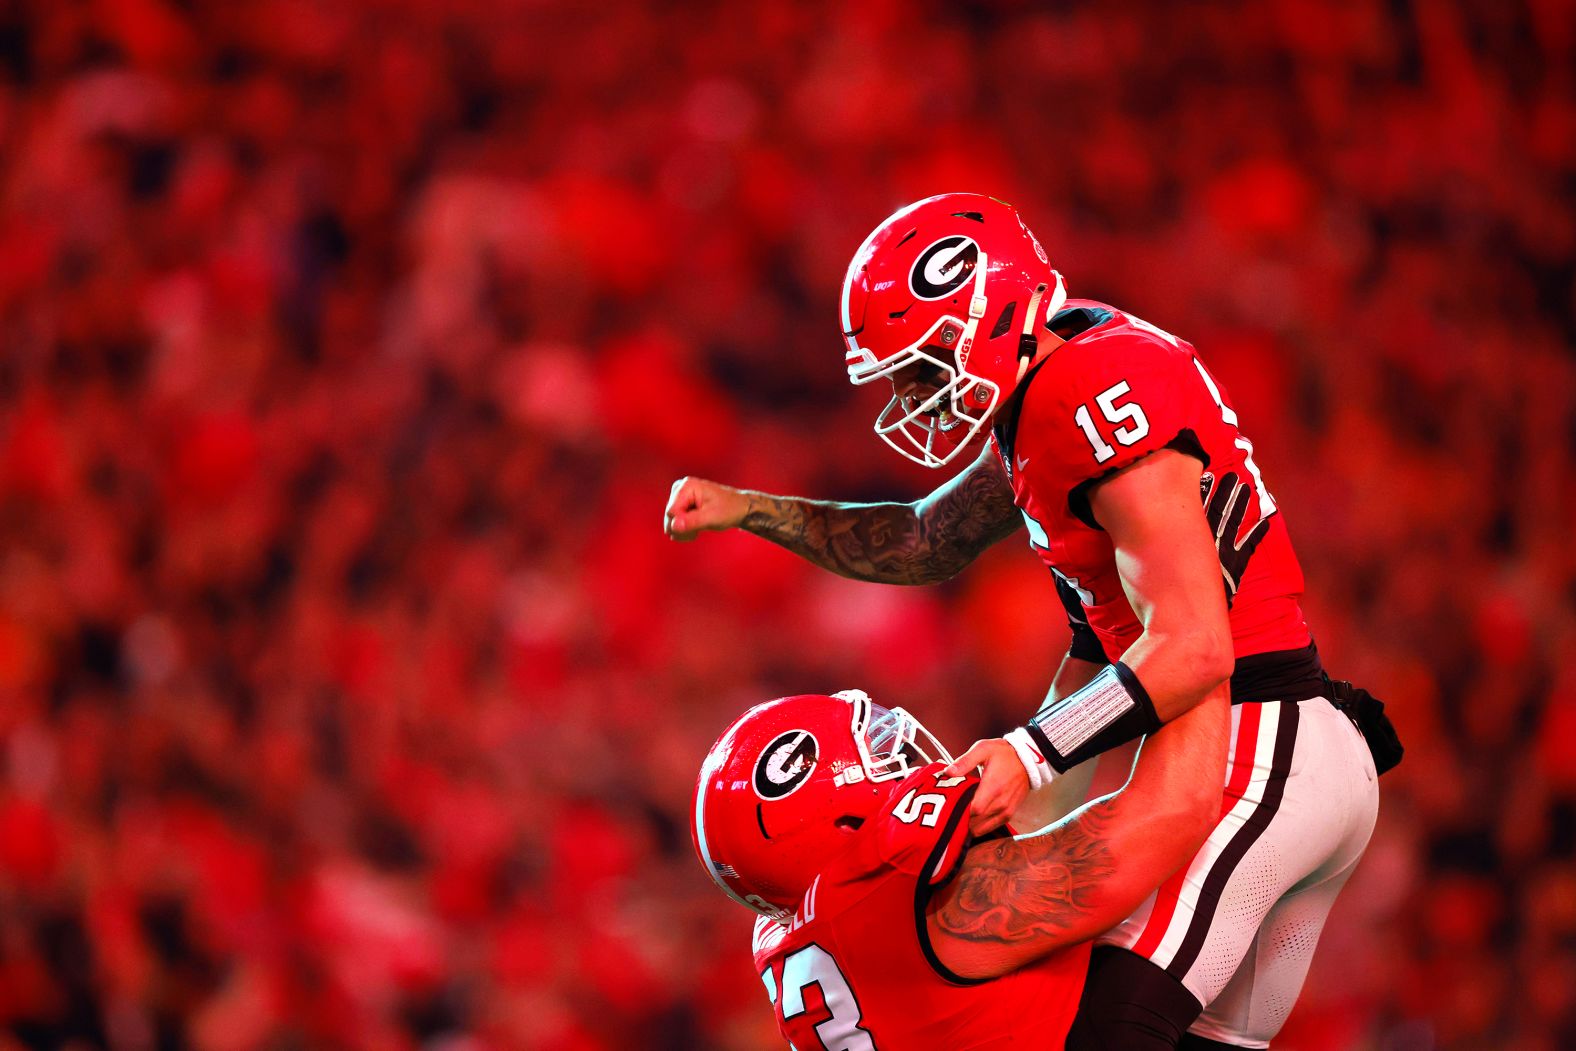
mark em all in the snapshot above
pixel 892 743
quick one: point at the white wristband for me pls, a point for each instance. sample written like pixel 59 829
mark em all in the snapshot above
pixel 1040 772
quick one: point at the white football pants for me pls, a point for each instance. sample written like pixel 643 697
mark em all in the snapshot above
pixel 1238 925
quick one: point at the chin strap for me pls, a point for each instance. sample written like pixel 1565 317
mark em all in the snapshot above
pixel 1028 344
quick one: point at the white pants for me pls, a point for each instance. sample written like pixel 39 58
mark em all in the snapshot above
pixel 1238 925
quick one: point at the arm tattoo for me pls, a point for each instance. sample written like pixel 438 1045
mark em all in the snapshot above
pixel 1015 891
pixel 894 543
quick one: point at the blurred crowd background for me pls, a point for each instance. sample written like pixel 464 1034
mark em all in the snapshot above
pixel 350 695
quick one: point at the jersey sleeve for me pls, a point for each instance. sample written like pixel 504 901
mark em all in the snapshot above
pixel 1106 406
pixel 924 831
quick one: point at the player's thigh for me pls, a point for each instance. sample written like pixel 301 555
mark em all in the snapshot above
pixel 1250 1010
pixel 1255 1002
pixel 1289 762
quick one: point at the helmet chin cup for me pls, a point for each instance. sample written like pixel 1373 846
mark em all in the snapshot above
pixel 912 432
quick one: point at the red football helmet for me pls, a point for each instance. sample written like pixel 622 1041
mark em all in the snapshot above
pixel 920 289
pixel 785 787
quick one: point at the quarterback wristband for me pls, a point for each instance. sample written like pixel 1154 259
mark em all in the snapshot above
pixel 1040 772
pixel 1112 709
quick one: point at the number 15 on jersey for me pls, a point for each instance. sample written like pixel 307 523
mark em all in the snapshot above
pixel 1131 424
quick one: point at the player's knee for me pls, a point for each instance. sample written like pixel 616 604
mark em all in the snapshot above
pixel 1129 1004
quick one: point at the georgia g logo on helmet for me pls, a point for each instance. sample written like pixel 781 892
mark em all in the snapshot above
pixel 944 267
pixel 785 764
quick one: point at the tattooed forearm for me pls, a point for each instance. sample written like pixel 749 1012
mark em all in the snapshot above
pixel 880 542
pixel 894 543
pixel 1028 890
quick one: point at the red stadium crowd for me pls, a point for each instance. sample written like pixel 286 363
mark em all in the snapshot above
pixel 350 695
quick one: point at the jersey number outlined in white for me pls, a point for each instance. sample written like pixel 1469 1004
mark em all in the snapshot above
pixel 813 965
pixel 1132 424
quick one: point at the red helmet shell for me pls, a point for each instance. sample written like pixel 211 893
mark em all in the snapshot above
pixel 785 787
pixel 952 280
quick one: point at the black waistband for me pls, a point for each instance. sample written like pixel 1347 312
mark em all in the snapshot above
pixel 1280 675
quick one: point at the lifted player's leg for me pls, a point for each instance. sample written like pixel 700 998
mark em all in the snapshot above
pixel 1254 1005
pixel 1300 805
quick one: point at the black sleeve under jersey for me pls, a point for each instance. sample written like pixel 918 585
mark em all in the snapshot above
pixel 1085 643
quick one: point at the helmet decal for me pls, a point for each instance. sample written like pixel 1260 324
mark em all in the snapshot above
pixel 944 267
pixel 785 764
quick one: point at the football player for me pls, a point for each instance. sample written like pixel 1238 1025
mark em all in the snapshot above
pixel 1119 452
pixel 883 923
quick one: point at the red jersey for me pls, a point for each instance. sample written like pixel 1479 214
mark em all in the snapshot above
pixel 1117 390
pixel 854 970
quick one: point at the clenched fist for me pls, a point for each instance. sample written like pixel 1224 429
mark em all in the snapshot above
pixel 696 505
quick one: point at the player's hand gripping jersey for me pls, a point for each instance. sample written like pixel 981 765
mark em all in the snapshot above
pixel 854 971
pixel 1116 391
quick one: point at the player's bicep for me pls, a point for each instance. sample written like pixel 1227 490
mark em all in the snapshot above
pixel 1015 901
pixel 1165 552
pixel 1170 572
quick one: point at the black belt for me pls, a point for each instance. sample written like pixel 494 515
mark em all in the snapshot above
pixel 1296 675
pixel 1280 675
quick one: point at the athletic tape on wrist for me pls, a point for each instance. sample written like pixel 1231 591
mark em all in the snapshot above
pixel 1040 772
pixel 1110 710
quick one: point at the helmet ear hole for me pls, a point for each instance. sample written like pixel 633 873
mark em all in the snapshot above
pixel 1004 322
